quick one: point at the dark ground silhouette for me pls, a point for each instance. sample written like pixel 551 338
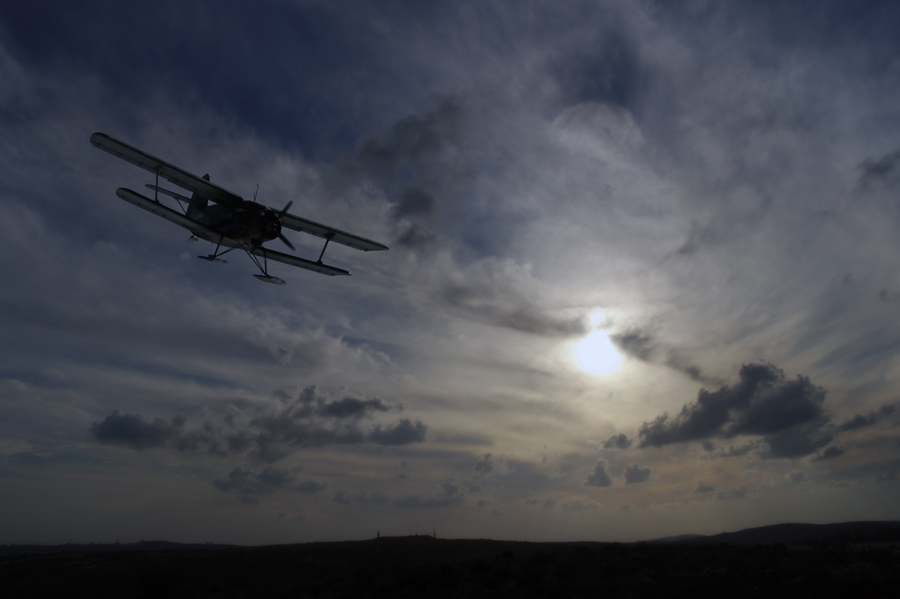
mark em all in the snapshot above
pixel 860 559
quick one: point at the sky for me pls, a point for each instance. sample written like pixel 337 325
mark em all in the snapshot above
pixel 643 276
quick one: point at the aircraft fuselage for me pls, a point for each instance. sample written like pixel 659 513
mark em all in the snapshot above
pixel 246 223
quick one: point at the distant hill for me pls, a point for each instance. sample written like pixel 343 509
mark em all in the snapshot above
pixel 741 565
pixel 842 534
pixel 105 547
pixel 800 534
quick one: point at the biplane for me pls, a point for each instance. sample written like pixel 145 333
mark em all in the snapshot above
pixel 226 219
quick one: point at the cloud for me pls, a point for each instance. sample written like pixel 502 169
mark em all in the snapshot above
pixel 549 504
pixel 350 407
pixel 635 344
pixel 886 477
pixel 249 483
pixel 620 441
pixel 864 420
pixel 598 476
pixel 830 452
pixel 732 451
pixel 403 432
pixel 413 202
pixel 739 493
pixel 879 172
pixel 641 345
pixel 375 498
pixel 447 495
pixel 494 303
pixel 532 501
pixel 702 488
pixel 788 413
pixel 411 142
pixel 309 420
pixel 484 466
pixel 635 474
pixel 606 70
pixel 575 505
pixel 797 477
pixel 133 430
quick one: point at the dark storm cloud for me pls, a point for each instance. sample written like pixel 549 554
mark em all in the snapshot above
pixel 413 202
pixel 270 480
pixel 403 432
pixel 738 493
pixel 484 466
pixel 447 495
pixel 549 504
pixel 309 420
pixel 864 420
pixel 732 451
pixel 797 442
pixel 598 476
pixel 620 441
pixel 607 70
pixel 532 501
pixel 635 344
pixel 888 297
pixel 350 407
pixel 375 498
pixel 216 65
pixel 414 236
pixel 788 412
pixel 797 477
pixel 830 452
pixel 575 505
pixel 504 308
pixel 639 344
pixel 411 144
pixel 133 430
pixel 880 172
pixel 702 488
pixel 635 474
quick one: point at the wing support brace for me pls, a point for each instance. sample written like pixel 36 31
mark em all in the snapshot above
pixel 327 239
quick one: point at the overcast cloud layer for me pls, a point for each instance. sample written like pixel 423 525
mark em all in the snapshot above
pixel 713 189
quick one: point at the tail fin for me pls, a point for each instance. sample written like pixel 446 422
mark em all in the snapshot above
pixel 198 202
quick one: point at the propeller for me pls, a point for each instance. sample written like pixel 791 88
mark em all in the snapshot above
pixel 286 242
pixel 281 235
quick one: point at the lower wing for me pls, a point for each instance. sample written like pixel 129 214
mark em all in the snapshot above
pixel 167 213
pixel 299 262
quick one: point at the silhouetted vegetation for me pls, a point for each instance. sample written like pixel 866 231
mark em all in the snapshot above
pixel 427 567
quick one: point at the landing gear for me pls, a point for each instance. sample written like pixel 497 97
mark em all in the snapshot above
pixel 270 279
pixel 214 257
pixel 265 277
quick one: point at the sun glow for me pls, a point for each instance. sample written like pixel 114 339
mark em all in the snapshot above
pixel 597 354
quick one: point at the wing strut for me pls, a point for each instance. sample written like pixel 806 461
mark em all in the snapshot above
pixel 327 239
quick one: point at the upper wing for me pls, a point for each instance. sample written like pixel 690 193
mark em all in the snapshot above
pixel 171 173
pixel 300 262
pixel 325 232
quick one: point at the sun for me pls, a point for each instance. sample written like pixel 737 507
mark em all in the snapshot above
pixel 597 354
